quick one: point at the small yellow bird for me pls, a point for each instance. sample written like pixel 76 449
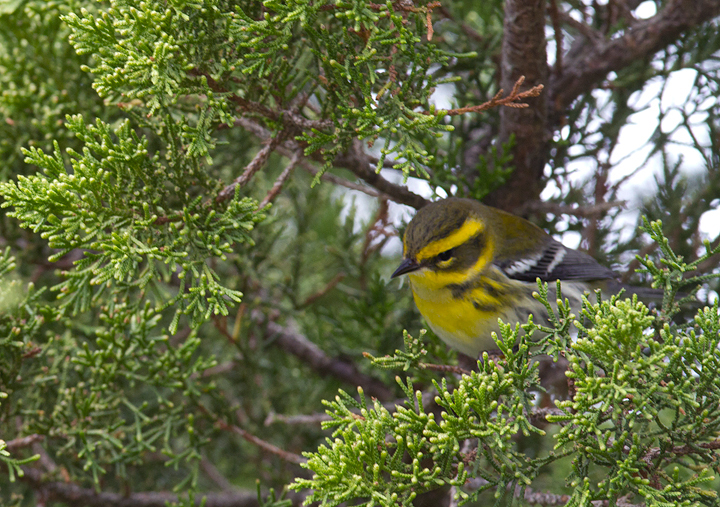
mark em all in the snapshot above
pixel 470 264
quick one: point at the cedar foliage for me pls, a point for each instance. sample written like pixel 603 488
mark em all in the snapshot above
pixel 197 243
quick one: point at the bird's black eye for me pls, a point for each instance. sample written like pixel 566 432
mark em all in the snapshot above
pixel 446 255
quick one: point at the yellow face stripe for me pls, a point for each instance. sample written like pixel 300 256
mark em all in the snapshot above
pixel 468 229
pixel 437 280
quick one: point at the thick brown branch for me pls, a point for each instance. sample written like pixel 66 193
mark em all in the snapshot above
pixel 72 494
pixel 523 54
pixel 298 345
pixel 357 162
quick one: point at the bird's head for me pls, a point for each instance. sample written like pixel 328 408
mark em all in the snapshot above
pixel 446 242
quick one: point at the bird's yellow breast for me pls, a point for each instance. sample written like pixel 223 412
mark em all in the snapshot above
pixel 465 323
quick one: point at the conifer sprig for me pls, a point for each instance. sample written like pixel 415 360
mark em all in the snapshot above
pixel 112 205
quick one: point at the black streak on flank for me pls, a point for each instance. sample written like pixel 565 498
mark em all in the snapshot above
pixel 484 308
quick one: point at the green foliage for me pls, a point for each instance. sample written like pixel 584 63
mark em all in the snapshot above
pixel 39 80
pixel 366 64
pixel 12 345
pixel 489 174
pixel 110 375
pixel 13 465
pixel 642 415
pixel 133 363
pixel 111 204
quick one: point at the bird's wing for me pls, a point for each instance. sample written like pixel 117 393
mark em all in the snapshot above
pixel 555 262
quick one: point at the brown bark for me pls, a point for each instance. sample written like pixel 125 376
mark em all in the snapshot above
pixel 523 54
pixel 584 67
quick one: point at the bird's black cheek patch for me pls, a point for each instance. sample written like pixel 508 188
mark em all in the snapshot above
pixel 469 252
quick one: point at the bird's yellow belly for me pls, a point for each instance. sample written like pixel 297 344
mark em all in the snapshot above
pixel 457 321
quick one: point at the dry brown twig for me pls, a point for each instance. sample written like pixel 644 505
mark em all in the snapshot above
pixel 509 101
pixel 428 18
pixel 378 233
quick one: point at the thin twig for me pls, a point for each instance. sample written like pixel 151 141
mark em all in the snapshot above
pixel 337 180
pixel 277 186
pixel 221 325
pixel 311 419
pixel 557 29
pixel 469 31
pixel 297 344
pixel 586 30
pixel 378 233
pixel 288 147
pixel 291 118
pixel 19 443
pixel 577 211
pixel 290 457
pixel 330 286
pixel 216 476
pixel 254 166
pixel 219 369
pixel 509 101
pixel 593 59
pixel 444 368
pixel 428 400
pixel 428 18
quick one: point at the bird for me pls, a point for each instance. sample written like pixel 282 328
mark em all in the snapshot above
pixel 470 264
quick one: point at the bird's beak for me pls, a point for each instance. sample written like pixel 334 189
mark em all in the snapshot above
pixel 406 266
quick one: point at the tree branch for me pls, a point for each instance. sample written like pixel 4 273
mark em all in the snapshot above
pixel 290 457
pixel 19 443
pixel 77 496
pixel 357 161
pixel 591 64
pixel 289 147
pixel 254 166
pixel 277 186
pixel 298 345
pixel 560 209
